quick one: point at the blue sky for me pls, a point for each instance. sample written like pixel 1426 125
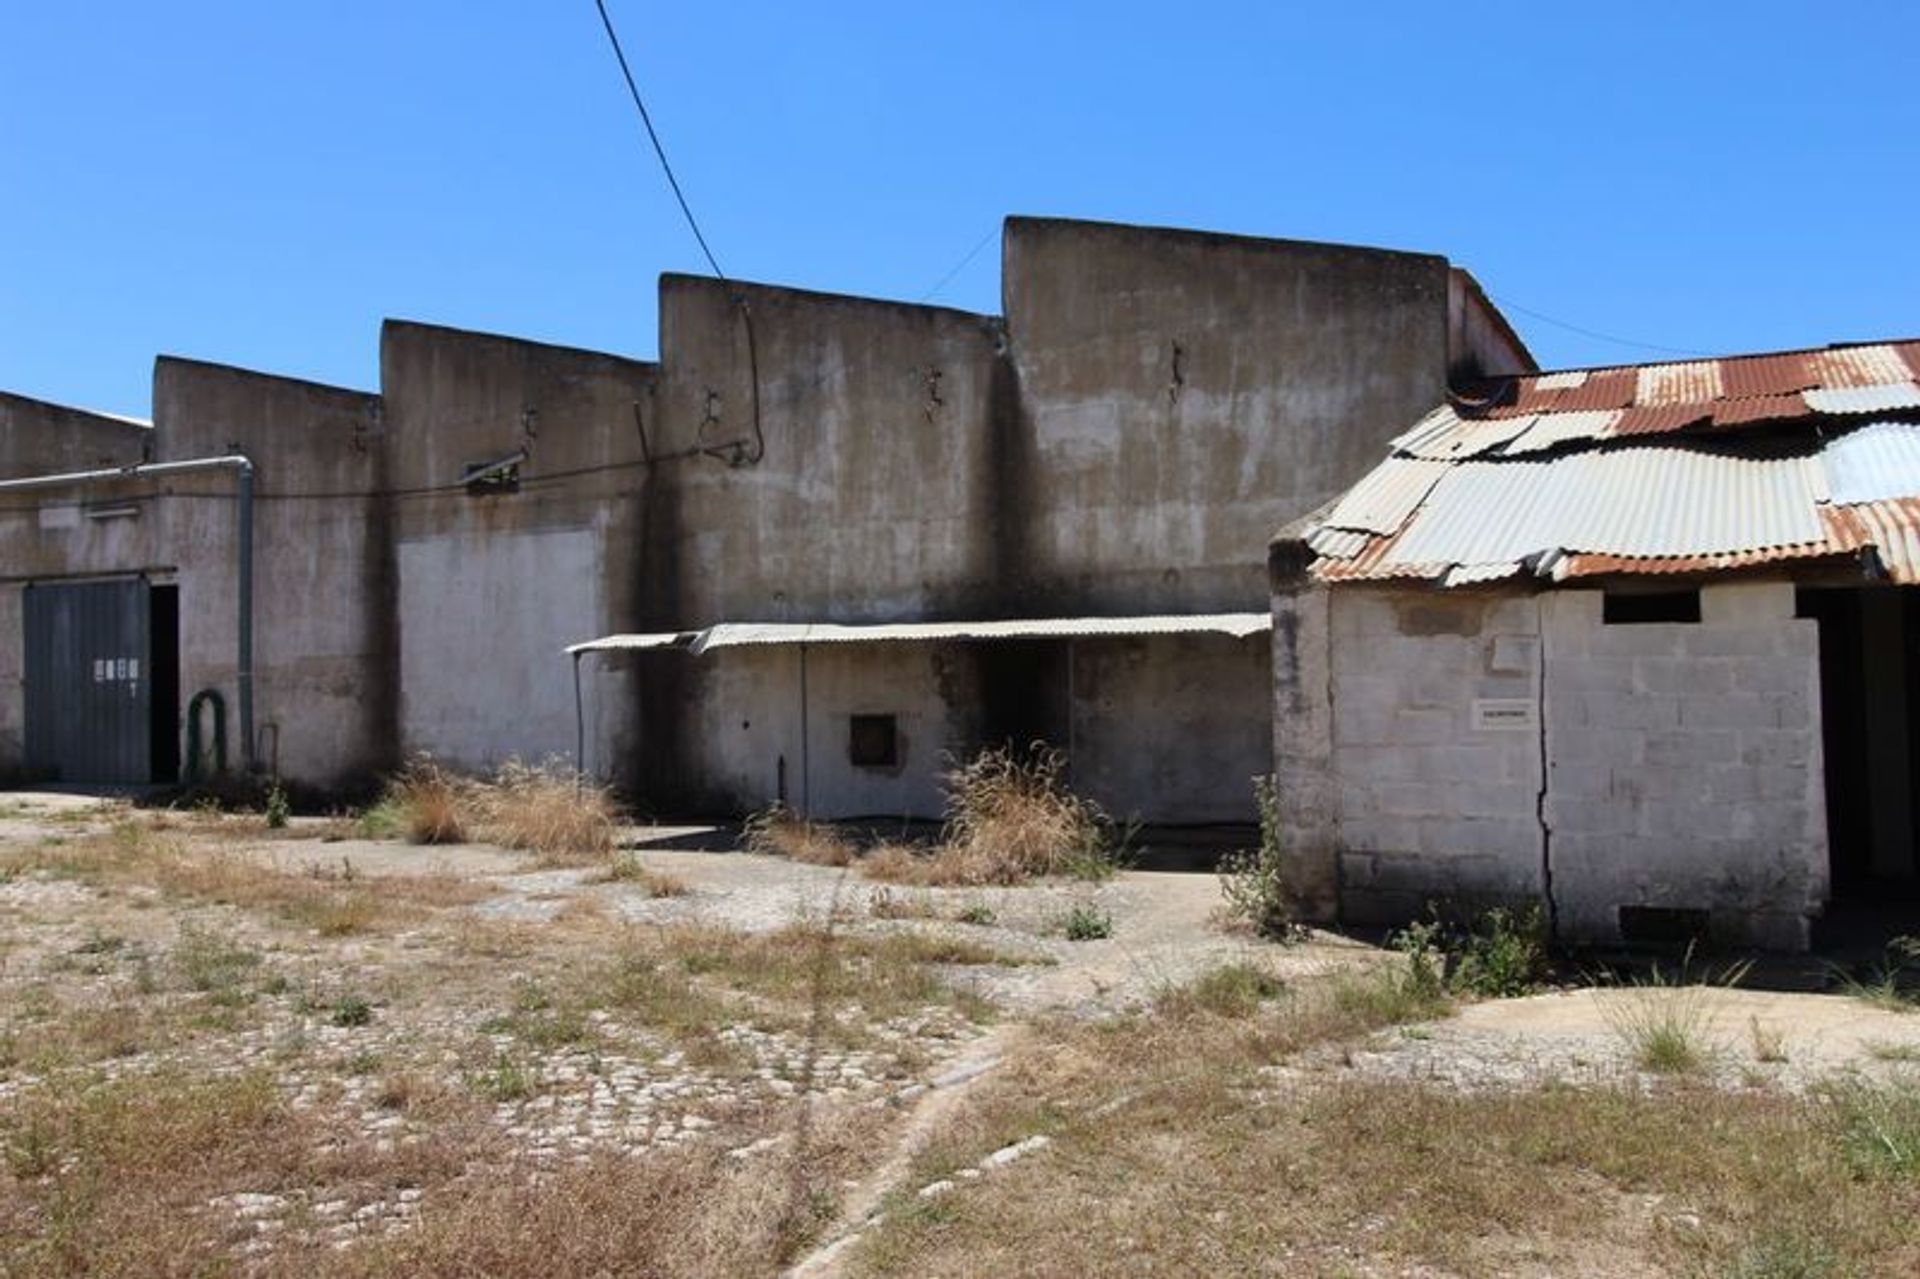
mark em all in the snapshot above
pixel 260 184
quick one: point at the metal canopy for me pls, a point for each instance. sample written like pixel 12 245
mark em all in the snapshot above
pixel 746 634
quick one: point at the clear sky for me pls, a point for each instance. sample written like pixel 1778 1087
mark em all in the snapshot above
pixel 260 183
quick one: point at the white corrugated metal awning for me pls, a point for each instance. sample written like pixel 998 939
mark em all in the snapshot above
pixel 744 634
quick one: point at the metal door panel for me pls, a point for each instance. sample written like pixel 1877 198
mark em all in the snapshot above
pixel 89 682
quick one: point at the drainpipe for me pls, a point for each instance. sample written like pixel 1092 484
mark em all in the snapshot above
pixel 243 469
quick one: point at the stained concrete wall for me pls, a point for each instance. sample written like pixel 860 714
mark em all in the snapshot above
pixel 323 695
pixel 1683 761
pixel 758 746
pixel 1182 395
pixel 492 588
pixel 1161 726
pixel 46 535
pixel 867 484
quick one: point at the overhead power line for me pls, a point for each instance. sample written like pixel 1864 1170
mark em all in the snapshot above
pixel 961 265
pixel 1595 334
pixel 653 136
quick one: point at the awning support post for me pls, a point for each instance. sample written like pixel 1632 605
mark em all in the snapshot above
pixel 579 729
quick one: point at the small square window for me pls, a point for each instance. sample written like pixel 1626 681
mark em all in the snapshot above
pixel 873 741
pixel 486 479
pixel 1641 608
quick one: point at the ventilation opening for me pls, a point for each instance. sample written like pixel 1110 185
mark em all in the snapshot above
pixel 1662 925
pixel 873 741
pixel 486 479
pixel 1641 608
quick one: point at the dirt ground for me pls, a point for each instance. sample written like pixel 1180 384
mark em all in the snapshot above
pixel 453 1019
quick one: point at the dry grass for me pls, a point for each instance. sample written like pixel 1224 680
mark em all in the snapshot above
pixel 547 810
pixel 779 832
pixel 1010 819
pixel 333 901
pixel 1177 1150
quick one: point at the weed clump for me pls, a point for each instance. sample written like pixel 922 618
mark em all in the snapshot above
pixel 1087 923
pixel 780 832
pixel 545 810
pixel 1254 882
pixel 1499 954
pixel 1232 990
pixel 1011 818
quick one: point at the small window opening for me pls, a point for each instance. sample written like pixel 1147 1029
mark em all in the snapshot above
pixel 873 741
pixel 1642 608
pixel 485 479
pixel 1662 925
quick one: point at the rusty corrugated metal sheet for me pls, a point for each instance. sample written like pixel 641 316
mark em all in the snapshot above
pixel 1381 502
pixel 1890 527
pixel 1671 397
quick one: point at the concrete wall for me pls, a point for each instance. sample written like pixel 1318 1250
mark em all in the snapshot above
pixel 38 438
pixel 1164 729
pixel 750 725
pixel 492 588
pixel 1683 760
pixel 324 701
pixel 47 535
pixel 867 486
pixel 1433 802
pixel 1687 764
pixel 1182 395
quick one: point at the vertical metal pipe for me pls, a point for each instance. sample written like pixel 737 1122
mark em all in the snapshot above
pixel 1070 726
pixel 244 677
pixel 579 727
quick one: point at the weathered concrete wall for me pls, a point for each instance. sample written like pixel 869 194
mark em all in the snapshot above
pixel 324 703
pixel 1166 727
pixel 38 438
pixel 1182 395
pixel 867 486
pixel 1435 801
pixel 46 534
pixel 1683 760
pixel 750 725
pixel 492 588
pixel 1480 341
pixel 1687 764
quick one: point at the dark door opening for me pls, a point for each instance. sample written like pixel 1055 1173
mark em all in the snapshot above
pixel 1023 687
pixel 163 660
pixel 1870 737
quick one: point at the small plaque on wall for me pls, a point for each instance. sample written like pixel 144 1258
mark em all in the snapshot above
pixel 1495 714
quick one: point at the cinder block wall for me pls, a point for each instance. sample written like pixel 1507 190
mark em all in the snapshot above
pixel 1432 803
pixel 1686 764
pixel 1683 760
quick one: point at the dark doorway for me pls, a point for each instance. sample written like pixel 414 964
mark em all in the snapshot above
pixel 1870 736
pixel 163 659
pixel 1023 685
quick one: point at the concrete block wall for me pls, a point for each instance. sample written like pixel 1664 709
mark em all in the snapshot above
pixel 1432 802
pixel 1683 760
pixel 1686 764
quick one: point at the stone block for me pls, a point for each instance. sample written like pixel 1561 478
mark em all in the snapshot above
pixel 1573 814
pixel 1660 639
pixel 1694 676
pixel 1727 640
pixel 1381 835
pixel 1752 603
pixel 1774 674
pixel 1696 748
pixel 1591 675
pixel 1743 711
pixel 1766 748
pixel 1645 713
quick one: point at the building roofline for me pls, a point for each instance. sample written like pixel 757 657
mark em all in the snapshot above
pixel 118 419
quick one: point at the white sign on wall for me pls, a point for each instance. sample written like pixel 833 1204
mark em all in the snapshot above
pixel 1495 714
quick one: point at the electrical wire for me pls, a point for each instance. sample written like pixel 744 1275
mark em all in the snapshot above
pixel 1593 333
pixel 646 119
pixel 961 265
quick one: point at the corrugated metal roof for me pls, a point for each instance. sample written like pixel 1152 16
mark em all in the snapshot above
pixel 1654 508
pixel 1667 398
pixel 748 634
pixel 1642 501
pixel 1381 502
pixel 1876 462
